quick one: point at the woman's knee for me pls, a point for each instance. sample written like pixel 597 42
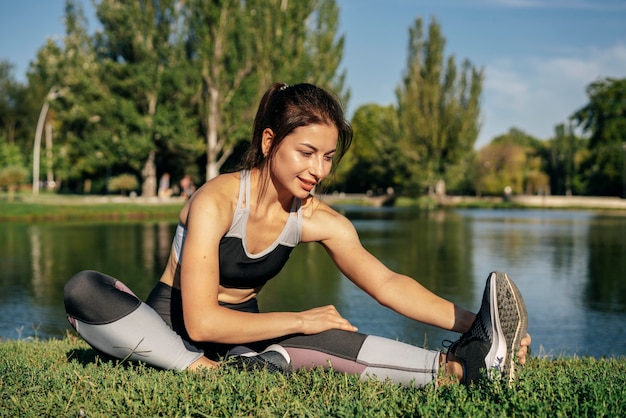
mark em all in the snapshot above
pixel 97 298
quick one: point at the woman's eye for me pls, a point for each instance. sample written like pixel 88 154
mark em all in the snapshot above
pixel 306 153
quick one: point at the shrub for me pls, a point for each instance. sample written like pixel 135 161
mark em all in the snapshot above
pixel 11 177
pixel 123 183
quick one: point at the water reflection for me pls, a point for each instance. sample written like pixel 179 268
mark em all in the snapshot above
pixel 570 265
pixel 605 290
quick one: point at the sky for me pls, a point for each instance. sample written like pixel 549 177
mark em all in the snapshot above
pixel 538 56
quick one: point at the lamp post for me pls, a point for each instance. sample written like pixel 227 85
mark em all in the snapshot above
pixel 52 94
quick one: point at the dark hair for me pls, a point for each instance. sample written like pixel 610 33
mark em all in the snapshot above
pixel 284 108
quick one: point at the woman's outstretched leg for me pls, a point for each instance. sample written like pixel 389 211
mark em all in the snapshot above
pixel 487 348
pixel 364 355
pixel 107 315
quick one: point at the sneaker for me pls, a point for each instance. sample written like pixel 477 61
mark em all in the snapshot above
pixel 274 359
pixel 492 340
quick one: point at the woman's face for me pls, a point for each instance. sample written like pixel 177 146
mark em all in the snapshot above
pixel 303 158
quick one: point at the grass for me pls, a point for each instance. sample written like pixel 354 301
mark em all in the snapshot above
pixel 47 207
pixel 67 378
pixel 59 207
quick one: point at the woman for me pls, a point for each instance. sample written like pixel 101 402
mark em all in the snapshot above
pixel 236 232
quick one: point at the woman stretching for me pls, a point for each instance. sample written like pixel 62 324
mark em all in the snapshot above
pixel 236 232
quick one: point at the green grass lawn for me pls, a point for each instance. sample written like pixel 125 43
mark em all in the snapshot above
pixel 56 207
pixel 67 378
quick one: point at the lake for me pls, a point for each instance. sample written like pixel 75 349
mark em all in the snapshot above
pixel 569 265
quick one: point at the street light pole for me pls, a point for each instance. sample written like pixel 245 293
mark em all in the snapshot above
pixel 52 94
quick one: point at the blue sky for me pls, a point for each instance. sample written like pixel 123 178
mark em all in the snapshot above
pixel 538 56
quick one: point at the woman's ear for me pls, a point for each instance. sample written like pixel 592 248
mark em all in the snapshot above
pixel 266 141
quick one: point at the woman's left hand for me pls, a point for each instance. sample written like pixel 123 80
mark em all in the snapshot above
pixel 523 351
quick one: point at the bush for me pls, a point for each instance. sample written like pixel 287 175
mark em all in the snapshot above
pixel 11 177
pixel 123 183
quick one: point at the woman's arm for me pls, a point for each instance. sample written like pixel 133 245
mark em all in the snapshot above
pixel 395 291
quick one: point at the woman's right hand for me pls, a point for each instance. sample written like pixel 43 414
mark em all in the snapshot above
pixel 324 318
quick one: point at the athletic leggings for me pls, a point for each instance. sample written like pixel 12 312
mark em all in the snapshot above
pixel 107 315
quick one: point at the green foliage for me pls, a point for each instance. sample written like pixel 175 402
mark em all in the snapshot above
pixel 16 112
pixel 563 156
pixel 240 48
pixel 511 160
pixel 123 183
pixel 604 120
pixel 438 107
pixel 11 177
pixel 67 378
pixel 375 161
pixel 166 86
pixel 10 154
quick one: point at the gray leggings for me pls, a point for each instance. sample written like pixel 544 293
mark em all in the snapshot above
pixel 113 320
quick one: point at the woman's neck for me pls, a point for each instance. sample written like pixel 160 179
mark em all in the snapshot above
pixel 265 196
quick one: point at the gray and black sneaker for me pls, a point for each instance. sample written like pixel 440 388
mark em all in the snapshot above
pixel 494 337
pixel 274 359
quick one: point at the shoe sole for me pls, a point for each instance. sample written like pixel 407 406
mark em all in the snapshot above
pixel 509 324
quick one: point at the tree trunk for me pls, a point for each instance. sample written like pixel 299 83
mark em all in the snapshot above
pixel 148 173
pixel 212 167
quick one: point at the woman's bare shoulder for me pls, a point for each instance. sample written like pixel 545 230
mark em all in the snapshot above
pixel 218 195
pixel 321 222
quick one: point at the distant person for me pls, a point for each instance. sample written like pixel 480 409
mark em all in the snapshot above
pixel 164 186
pixel 187 187
pixel 236 233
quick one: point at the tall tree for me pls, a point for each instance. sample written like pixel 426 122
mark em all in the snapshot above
pixel 240 48
pixel 68 78
pixel 603 119
pixel 438 108
pixel 8 111
pixel 324 46
pixel 220 43
pixel 141 52
pixel 563 160
pixel 375 161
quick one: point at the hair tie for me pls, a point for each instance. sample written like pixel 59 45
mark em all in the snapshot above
pixel 284 86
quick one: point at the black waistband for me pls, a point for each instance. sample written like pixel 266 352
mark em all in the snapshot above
pixel 163 291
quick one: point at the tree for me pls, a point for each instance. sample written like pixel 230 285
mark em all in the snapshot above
pixel 220 43
pixel 563 161
pixel 142 56
pixel 375 161
pixel 511 160
pixel 8 114
pixel 17 114
pixel 603 119
pixel 499 166
pixel 324 49
pixel 12 168
pixel 240 48
pixel 438 108
pixel 67 77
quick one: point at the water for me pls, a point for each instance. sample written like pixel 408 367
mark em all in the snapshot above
pixel 570 266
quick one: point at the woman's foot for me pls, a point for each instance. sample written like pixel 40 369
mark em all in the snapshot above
pixel 495 335
pixel 274 358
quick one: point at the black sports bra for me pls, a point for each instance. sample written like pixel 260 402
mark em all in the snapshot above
pixel 239 268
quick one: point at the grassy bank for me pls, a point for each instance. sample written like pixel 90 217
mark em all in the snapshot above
pixel 53 207
pixel 48 207
pixel 67 378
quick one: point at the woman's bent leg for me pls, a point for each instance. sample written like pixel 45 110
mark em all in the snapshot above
pixel 365 355
pixel 113 320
